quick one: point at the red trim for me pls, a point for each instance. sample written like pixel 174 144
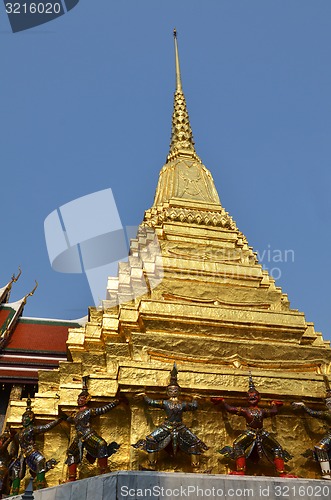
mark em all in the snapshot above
pixel 4 313
pixel 22 375
pixel 33 361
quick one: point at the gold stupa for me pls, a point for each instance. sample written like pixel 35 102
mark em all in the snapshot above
pixel 193 292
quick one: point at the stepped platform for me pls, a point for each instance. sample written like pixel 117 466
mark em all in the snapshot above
pixel 148 485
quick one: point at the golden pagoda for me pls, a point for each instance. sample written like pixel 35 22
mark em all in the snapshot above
pixel 194 293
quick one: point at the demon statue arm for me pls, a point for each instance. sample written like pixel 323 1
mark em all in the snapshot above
pixel 322 414
pixel 160 403
pixel 322 450
pixel 193 406
pixel 104 409
pixel 155 403
pixel 41 429
pixel 245 411
pixel 236 410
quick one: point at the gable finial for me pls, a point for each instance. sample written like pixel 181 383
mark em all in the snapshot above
pixel 14 277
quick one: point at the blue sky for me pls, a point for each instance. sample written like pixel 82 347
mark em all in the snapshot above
pixel 86 104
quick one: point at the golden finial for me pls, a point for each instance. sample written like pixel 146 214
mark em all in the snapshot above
pixel 182 143
pixel 178 77
pixel 32 291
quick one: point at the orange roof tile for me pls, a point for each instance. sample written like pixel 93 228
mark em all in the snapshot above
pixel 40 337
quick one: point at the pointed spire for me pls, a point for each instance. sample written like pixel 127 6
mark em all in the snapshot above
pixel 184 177
pixel 173 376
pixel 251 383
pixel 28 412
pixel 29 403
pixel 182 143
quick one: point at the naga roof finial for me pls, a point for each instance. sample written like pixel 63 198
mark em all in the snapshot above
pixel 5 291
pixel 251 387
pixel 15 278
pixel 30 293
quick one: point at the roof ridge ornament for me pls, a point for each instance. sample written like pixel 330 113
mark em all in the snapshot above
pixel 15 278
pixel 5 291
pixel 30 293
pixel 182 143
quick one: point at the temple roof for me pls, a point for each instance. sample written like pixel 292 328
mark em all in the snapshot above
pixel 29 344
pixel 35 344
